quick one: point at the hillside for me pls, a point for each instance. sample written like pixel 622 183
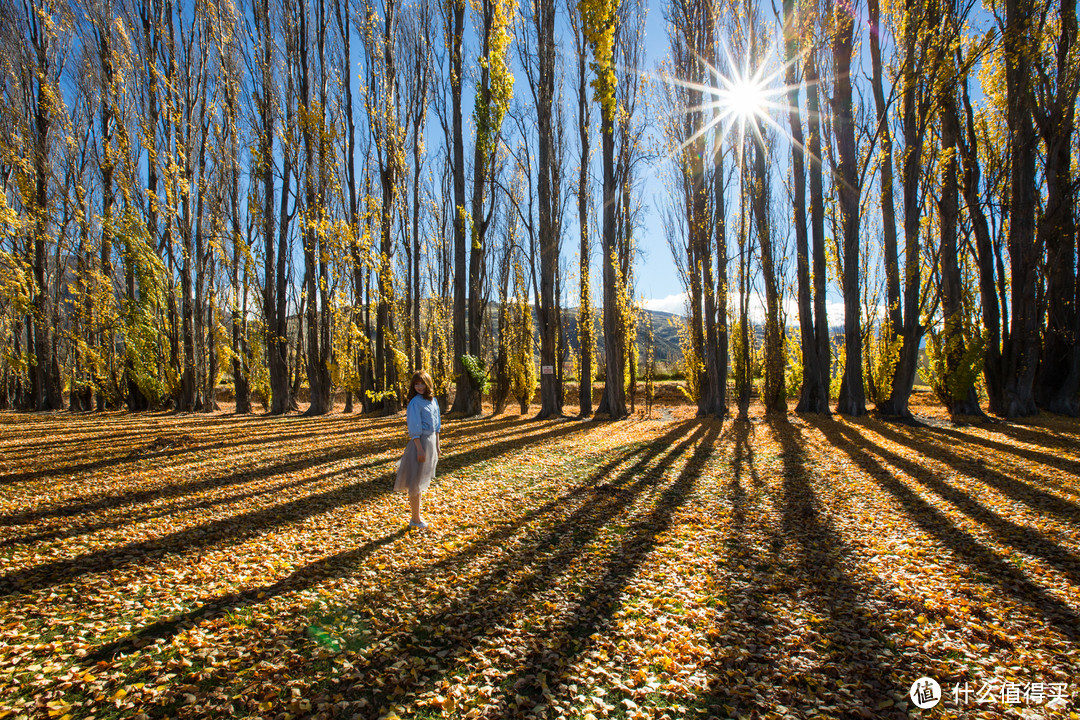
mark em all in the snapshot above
pixel 665 335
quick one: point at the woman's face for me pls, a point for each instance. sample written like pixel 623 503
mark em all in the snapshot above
pixel 420 387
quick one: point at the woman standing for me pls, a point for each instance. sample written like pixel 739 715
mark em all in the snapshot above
pixel 417 465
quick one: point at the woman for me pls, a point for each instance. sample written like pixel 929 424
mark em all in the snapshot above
pixel 417 465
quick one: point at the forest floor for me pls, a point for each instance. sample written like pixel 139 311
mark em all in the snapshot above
pixel 160 565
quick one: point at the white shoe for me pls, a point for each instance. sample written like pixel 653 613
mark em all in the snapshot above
pixel 419 526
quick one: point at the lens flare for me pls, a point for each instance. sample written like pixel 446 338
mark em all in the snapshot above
pixel 746 99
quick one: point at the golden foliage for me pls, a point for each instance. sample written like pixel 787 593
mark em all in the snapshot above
pixel 225 566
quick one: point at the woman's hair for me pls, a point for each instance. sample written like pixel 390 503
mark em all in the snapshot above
pixel 422 376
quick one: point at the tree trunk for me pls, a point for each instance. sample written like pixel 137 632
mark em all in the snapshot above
pixel 720 228
pixel 466 400
pixel 984 252
pixel 548 192
pixel 773 396
pixel 614 400
pixel 915 122
pixel 210 403
pixel 187 308
pixel 276 249
pixel 962 397
pixel 1058 380
pixel 107 198
pixel 888 208
pixel 852 399
pixel 1021 348
pixel 817 227
pixel 813 397
pixel 585 311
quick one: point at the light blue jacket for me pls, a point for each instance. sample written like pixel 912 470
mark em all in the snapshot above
pixel 422 417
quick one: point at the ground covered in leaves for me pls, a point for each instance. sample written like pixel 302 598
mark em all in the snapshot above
pixel 216 566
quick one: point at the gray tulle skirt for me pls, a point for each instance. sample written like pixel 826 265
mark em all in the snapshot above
pixel 414 476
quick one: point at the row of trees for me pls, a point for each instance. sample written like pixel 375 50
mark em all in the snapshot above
pixel 281 189
pixel 969 250
pixel 298 193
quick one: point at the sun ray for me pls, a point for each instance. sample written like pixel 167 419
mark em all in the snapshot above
pixel 742 93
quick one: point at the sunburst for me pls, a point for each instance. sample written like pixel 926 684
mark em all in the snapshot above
pixel 745 98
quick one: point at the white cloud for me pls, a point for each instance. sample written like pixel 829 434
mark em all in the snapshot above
pixel 677 304
pixel 671 304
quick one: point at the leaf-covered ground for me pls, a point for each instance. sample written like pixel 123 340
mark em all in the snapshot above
pixel 222 566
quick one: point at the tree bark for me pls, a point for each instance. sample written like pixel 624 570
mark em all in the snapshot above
pixel 613 402
pixel 852 399
pixel 466 399
pixel 822 338
pixel 962 398
pixel 967 142
pixel 813 396
pixel 1058 380
pixel 586 344
pixel 1021 348
pixel 548 197
pixel 773 395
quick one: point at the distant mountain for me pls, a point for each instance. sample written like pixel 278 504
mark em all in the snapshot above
pixel 665 335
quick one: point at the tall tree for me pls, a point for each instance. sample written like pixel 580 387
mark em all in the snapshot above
pixel 41 55
pixel 690 31
pixel 494 90
pixel 276 246
pixel 814 394
pixel 852 399
pixel 960 386
pixel 817 218
pixel 549 191
pixel 1021 346
pixel 416 45
pixel 586 344
pixel 985 256
pixel 1057 386
pixel 600 21
pixel 773 394
pixel 926 40
pixel 466 398
pixel 385 125
pixel 317 136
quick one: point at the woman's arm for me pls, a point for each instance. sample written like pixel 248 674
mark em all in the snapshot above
pixel 412 420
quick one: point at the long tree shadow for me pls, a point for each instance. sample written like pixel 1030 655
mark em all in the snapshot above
pixel 232 528
pixel 1020 537
pixel 601 598
pixel 1027 493
pixel 533 567
pixel 173 490
pixel 1048 459
pixel 742 460
pixel 742 593
pixel 301 579
pixel 143 514
pixel 80 505
pixel 986 566
pixel 314 429
pixel 245 525
pixel 306 577
pixel 862 656
pixel 1034 431
pixel 487 601
pixel 742 466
